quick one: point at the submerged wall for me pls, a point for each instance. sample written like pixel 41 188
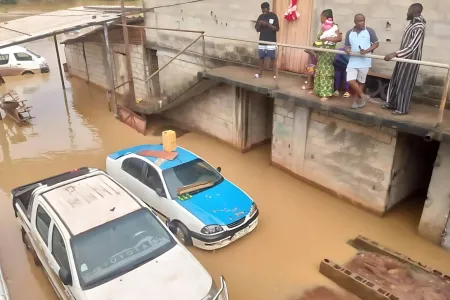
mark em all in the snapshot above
pixel 97 70
pixel 437 207
pixel 353 160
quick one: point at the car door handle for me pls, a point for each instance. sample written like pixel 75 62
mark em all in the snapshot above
pixel 19 64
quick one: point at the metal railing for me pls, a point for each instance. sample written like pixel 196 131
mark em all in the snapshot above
pixel 202 36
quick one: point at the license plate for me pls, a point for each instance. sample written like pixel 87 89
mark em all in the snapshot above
pixel 241 233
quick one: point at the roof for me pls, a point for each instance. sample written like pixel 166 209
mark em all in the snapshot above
pixel 40 26
pixel 136 20
pixel 184 155
pixel 90 202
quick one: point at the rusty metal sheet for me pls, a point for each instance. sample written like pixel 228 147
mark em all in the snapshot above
pixel 131 119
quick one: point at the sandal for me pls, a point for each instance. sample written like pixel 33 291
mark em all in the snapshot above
pixel 336 93
pixel 257 76
pixel 347 95
pixel 324 99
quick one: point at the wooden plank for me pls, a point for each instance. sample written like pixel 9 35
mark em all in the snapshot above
pixel 159 154
pixel 194 187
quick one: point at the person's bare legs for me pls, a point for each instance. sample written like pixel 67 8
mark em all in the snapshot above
pixel 261 65
pixel 274 67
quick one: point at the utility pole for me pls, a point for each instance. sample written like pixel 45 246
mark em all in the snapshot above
pixel 127 53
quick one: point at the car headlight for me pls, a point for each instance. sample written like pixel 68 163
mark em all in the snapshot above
pixel 253 209
pixel 210 229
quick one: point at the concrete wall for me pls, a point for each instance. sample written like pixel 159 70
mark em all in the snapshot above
pixel 212 112
pixel 437 207
pixel 179 75
pixel 234 19
pixel 378 13
pixel 353 160
pixel 97 64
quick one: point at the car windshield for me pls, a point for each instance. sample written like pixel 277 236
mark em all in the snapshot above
pixel 194 172
pixel 114 248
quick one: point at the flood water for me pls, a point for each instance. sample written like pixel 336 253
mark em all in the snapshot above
pixel 299 224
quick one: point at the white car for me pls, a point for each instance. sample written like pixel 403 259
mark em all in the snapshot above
pixel 202 207
pixel 17 60
pixel 97 241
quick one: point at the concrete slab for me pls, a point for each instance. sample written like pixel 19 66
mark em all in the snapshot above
pixel 421 120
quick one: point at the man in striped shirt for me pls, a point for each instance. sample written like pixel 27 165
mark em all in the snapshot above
pixel 404 77
pixel 267 25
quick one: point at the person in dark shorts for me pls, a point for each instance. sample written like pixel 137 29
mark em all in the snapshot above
pixel 267 25
pixel 340 74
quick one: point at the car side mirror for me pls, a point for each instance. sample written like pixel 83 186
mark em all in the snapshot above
pixel 65 276
pixel 219 169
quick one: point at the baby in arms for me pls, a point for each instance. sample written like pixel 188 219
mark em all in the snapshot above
pixel 328 31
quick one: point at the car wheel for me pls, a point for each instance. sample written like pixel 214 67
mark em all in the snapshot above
pixel 182 234
pixel 27 73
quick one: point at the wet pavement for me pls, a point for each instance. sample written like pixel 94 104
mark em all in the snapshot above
pixel 299 224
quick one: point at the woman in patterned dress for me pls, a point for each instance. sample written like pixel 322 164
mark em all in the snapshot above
pixel 324 78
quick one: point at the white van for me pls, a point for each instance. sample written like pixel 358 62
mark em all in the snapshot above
pixel 17 60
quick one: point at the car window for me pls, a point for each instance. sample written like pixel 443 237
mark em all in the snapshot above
pixel 42 223
pixel 59 251
pixel 153 180
pixel 4 59
pixel 119 246
pixel 22 56
pixel 133 166
pixel 193 172
pixel 31 52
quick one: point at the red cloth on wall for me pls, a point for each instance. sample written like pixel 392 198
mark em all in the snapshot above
pixel 292 14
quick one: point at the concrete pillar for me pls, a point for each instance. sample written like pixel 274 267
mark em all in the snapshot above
pixel 436 209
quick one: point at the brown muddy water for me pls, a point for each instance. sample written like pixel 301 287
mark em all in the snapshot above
pixel 299 224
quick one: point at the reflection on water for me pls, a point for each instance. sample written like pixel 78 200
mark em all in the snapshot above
pixel 299 225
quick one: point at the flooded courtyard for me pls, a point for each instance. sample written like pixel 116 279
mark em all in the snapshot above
pixel 299 224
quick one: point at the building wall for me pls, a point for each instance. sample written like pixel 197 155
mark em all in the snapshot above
pixel 353 160
pixel 234 19
pixel 437 206
pixel 97 64
pixel 212 112
pixel 179 75
pixel 378 13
